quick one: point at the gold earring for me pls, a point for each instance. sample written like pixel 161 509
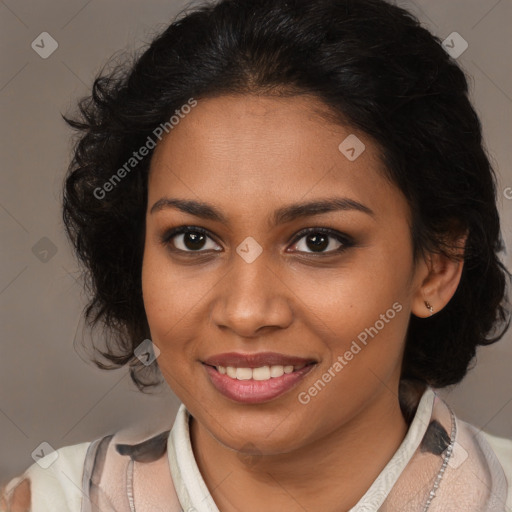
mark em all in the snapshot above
pixel 429 307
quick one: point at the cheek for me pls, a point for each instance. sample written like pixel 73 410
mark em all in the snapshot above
pixel 369 329
pixel 362 330
pixel 163 311
pixel 354 295
pixel 173 298
pixel 363 311
pixel 155 300
pixel 161 295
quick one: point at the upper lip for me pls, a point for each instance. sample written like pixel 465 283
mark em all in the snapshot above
pixel 256 360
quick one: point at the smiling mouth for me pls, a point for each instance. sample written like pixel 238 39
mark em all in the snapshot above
pixel 261 373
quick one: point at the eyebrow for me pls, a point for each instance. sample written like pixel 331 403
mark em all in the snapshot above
pixel 280 216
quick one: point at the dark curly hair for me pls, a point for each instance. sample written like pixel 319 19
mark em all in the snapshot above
pixel 376 68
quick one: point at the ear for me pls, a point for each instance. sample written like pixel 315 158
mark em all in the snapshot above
pixel 439 277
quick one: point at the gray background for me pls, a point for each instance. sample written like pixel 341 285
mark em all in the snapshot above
pixel 48 390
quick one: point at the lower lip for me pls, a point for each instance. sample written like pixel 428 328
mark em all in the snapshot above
pixel 255 391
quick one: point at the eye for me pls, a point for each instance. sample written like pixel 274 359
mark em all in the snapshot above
pixel 188 239
pixel 193 239
pixel 318 240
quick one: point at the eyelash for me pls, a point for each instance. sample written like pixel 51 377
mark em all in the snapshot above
pixel 345 240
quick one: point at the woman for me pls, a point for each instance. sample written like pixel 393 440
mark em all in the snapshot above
pixel 285 208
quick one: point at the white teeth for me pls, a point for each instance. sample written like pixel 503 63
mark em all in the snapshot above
pixel 276 371
pixel 261 373
pixel 243 373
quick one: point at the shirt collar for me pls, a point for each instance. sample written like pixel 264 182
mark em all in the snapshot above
pixel 193 493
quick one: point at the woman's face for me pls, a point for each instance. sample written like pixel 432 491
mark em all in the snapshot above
pixel 251 282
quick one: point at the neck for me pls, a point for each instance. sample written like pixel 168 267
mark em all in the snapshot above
pixel 330 474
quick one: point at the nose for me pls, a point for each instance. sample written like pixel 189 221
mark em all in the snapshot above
pixel 252 298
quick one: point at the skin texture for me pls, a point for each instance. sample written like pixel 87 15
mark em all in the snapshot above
pixel 19 501
pixel 248 155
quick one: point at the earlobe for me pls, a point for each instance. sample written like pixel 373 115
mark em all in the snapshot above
pixel 429 307
pixel 441 282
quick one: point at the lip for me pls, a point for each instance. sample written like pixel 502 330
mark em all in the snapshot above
pixel 255 391
pixel 255 360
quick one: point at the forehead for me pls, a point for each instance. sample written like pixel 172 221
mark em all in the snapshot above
pixel 269 149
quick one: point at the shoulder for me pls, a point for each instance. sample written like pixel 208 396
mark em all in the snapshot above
pixel 95 472
pixel 502 448
pixel 476 471
pixel 52 483
pixel 494 454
